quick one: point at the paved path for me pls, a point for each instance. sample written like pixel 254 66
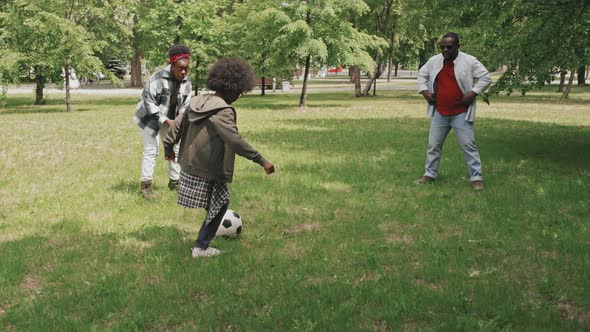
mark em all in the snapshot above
pixel 316 85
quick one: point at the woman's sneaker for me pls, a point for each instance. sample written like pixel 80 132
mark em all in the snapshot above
pixel 200 252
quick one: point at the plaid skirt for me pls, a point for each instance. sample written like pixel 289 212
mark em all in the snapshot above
pixel 197 192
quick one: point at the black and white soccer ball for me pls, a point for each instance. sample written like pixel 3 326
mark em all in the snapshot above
pixel 231 225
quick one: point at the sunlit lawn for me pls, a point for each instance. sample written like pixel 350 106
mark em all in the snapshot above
pixel 339 239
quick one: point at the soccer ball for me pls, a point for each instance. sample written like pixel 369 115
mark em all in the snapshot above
pixel 231 225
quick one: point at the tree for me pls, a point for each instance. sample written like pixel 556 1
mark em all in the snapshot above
pixel 198 24
pixel 255 27
pixel 381 14
pixel 51 38
pixel 318 32
pixel 535 40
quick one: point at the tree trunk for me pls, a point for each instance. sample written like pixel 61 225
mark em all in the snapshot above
pixel 196 82
pixel 383 25
pixel 375 87
pixel 569 84
pixel 373 77
pixel 39 86
pixel 136 74
pixel 582 75
pixel 68 98
pixel 356 75
pixel 561 80
pixel 263 81
pixel 303 98
pixel 179 22
pixel 396 68
pixel 389 64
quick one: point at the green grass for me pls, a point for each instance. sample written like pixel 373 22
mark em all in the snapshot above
pixel 339 239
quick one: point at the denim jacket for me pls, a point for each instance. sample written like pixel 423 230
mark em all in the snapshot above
pixel 471 75
pixel 152 109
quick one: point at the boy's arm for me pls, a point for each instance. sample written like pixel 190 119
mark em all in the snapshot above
pixel 225 126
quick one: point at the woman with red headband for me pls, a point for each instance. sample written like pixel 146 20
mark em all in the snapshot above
pixel 164 97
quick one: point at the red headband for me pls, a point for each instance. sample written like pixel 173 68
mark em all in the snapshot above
pixel 173 58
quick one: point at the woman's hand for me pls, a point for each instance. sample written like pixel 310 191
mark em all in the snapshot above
pixel 170 156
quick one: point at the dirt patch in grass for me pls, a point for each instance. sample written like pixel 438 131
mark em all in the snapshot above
pixel 3 309
pixel 413 325
pixel 33 284
pixel 292 249
pixel 199 296
pixel 396 233
pixel 399 238
pixel 381 326
pixel 371 276
pixel 456 232
pixel 427 284
pixel 569 311
pixel 11 237
pixel 153 279
pixel 305 227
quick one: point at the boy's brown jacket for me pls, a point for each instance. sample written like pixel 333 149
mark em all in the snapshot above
pixel 209 139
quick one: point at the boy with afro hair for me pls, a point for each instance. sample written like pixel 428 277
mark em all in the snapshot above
pixel 209 140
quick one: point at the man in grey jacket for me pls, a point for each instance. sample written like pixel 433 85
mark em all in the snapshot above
pixel 165 96
pixel 450 82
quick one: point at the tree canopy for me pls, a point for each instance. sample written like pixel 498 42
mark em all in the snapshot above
pixel 534 41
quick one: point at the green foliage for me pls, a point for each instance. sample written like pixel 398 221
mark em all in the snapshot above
pixel 278 35
pixel 533 39
pixel 197 24
pixel 47 36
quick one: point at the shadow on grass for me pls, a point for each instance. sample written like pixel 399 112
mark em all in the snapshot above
pixel 82 266
pixel 110 101
pixel 29 102
pixel 133 187
pixel 42 110
pixel 562 145
pixel 314 100
pixel 127 186
pixel 565 146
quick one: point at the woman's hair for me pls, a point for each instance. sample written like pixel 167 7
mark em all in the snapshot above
pixel 231 75
pixel 179 49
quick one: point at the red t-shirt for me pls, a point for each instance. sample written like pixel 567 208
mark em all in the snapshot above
pixel 448 94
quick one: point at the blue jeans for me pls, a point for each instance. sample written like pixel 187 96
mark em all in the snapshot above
pixel 439 129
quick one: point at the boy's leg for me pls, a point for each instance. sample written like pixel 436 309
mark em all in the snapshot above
pixel 207 231
pixel 150 154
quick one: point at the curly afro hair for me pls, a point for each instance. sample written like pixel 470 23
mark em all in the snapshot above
pixel 232 75
pixel 179 49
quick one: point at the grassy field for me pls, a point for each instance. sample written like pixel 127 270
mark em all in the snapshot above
pixel 339 239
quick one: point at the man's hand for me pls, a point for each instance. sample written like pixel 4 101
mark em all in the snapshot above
pixel 170 156
pixel 468 98
pixel 430 98
pixel 269 168
pixel 169 122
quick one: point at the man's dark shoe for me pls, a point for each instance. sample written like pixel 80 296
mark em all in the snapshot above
pixel 425 180
pixel 173 185
pixel 477 185
pixel 146 189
